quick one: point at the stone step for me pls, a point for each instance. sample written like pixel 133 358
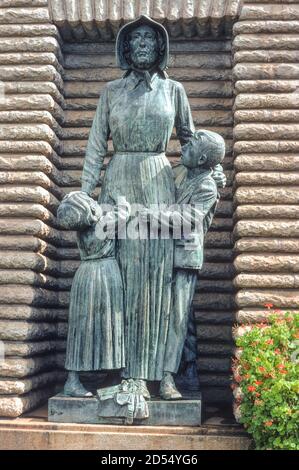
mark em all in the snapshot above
pixel 35 434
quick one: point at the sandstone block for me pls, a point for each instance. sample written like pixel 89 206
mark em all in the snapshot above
pixel 251 71
pixel 29 44
pixel 257 298
pixel 266 146
pixel 29 162
pixel 203 89
pixel 42 73
pixel 267 115
pixel 216 270
pixel 28 132
pixel 265 26
pixel 250 131
pixel 214 333
pixel 219 239
pixel 28 30
pixel 204 61
pixel 23 146
pixel 28 277
pixel 252 316
pixel 218 255
pixel 213 317
pixel 265 178
pixel 103 75
pixel 264 245
pixel 279 263
pixel 214 301
pixel 21 386
pixel 218 350
pixel 271 228
pixel 32 348
pixel 213 364
pixel 34 87
pixel 30 227
pixel 32 314
pixel 11 330
pixel 267 195
pixel 266 41
pixel 24 15
pixel 267 211
pixel 23 367
pixel 24 3
pixel 29 117
pixel 28 295
pixel 214 380
pixel 268 86
pixel 34 178
pixel 256 162
pixel 23 260
pixel 269 12
pixel 267 281
pixel 267 101
pixel 27 210
pixel 28 194
pixel 266 57
pixel 15 406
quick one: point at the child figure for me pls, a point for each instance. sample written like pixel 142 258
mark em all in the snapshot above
pixel 96 316
pixel 198 190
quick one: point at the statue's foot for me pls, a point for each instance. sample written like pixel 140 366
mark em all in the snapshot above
pixel 168 390
pixel 142 389
pixel 76 390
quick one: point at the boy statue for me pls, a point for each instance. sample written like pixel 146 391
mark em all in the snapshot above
pixel 196 197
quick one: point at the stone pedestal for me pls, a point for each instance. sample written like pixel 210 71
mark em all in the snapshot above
pixel 62 409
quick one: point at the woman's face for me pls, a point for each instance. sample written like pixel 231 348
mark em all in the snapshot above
pixel 143 47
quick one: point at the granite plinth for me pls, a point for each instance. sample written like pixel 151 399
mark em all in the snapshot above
pixel 62 409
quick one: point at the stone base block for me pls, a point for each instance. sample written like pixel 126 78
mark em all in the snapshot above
pixel 62 409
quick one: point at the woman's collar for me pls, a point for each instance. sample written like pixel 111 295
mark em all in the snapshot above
pixel 148 76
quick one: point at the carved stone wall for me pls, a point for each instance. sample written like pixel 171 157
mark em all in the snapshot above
pixel 266 134
pixel 51 87
pixel 31 115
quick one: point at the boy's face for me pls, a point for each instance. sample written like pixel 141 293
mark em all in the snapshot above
pixel 191 155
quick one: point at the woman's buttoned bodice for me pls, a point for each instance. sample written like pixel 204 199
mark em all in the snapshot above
pixel 141 120
pixel 139 117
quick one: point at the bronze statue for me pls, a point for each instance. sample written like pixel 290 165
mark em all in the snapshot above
pixel 139 112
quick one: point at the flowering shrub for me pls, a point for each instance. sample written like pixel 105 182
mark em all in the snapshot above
pixel 267 376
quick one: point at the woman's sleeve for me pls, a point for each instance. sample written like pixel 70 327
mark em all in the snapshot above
pixel 97 145
pixel 183 120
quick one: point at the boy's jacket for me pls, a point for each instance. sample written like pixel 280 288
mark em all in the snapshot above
pixel 202 192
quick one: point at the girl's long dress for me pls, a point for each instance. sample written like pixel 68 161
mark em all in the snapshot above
pixel 96 315
pixel 140 120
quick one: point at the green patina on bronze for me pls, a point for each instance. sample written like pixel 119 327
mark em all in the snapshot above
pixel 139 112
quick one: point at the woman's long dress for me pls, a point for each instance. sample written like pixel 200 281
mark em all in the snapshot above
pixel 140 119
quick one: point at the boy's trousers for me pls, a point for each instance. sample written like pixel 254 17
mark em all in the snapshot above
pixel 183 293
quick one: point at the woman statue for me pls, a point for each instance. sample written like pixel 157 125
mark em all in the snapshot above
pixel 139 112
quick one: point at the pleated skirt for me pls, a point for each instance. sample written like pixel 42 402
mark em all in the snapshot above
pixel 96 318
pixel 145 264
